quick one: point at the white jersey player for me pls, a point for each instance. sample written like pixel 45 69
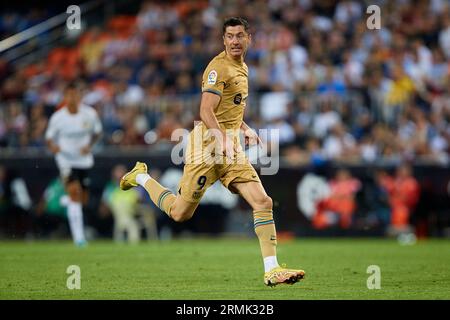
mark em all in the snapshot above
pixel 70 136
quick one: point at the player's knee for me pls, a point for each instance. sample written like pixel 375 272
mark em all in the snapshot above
pixel 180 215
pixel 264 202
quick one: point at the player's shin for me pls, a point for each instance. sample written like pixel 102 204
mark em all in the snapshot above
pixel 162 197
pixel 265 230
pixel 75 217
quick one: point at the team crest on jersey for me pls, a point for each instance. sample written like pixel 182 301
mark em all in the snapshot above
pixel 212 77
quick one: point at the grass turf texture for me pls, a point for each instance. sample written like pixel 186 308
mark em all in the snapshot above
pixel 224 269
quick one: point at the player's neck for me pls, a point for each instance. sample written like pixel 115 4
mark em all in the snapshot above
pixel 72 109
pixel 239 59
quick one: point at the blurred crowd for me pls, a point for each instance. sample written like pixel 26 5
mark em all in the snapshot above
pixel 335 89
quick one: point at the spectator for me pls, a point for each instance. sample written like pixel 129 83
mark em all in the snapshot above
pixel 326 119
pixel 51 215
pixel 15 205
pixel 331 85
pixel 339 144
pixel 123 206
pixel 397 95
pixel 339 206
pixel 404 193
pixel 444 35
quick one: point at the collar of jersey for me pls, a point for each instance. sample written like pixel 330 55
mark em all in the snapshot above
pixel 231 59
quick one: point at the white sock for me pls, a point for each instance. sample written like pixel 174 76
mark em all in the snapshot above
pixel 75 215
pixel 64 201
pixel 142 178
pixel 270 263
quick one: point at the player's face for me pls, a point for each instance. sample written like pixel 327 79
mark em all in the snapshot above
pixel 236 41
pixel 72 98
pixel 403 172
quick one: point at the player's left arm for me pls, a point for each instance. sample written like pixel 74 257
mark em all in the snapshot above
pixel 96 135
pixel 251 137
pixel 87 149
pixel 51 133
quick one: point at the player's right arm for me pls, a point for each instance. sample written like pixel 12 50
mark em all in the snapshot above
pixel 96 133
pixel 213 84
pixel 208 104
pixel 54 148
pixel 50 135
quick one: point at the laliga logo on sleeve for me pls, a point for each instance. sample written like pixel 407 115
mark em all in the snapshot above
pixel 212 77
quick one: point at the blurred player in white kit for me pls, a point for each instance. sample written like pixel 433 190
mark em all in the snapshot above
pixel 72 132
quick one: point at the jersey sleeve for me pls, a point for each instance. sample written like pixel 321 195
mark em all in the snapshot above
pixel 214 79
pixel 97 124
pixel 52 129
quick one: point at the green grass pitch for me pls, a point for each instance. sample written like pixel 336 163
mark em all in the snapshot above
pixel 224 269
